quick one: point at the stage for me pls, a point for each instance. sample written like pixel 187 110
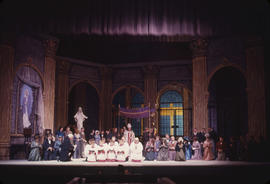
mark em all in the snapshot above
pixel 130 172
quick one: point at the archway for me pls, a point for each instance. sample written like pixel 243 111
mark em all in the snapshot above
pixel 85 95
pixel 227 105
pixel 129 97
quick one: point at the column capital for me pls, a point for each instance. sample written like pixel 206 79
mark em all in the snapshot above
pixel 63 66
pixel 50 46
pixel 199 47
pixel 150 70
pixel 253 41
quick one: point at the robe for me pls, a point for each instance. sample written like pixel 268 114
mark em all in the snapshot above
pixel 90 152
pixel 136 152
pixel 129 136
pixel 102 152
pixel 111 152
pixel 122 152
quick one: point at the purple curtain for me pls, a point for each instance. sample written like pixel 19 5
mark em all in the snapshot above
pixel 136 113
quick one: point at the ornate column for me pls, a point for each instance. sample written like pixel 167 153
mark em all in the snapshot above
pixel 61 98
pixel 255 87
pixel 150 88
pixel 199 83
pixel 50 46
pixel 6 81
pixel 105 107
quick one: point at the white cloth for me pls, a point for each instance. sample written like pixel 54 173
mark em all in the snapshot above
pixel 79 118
pixel 90 152
pixel 122 152
pixel 111 152
pixel 136 152
pixel 102 152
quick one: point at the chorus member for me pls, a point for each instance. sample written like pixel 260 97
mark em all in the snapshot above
pixel 196 149
pixel 102 150
pixel 172 151
pixel 156 146
pixel 67 148
pixel 34 154
pixel 77 144
pixel 90 151
pixel 180 150
pixel 149 150
pixel 136 149
pixel 60 132
pixel 79 118
pixel 48 147
pixel 67 131
pixel 122 151
pixel 108 135
pixel 57 149
pixel 83 142
pixel 163 151
pixel 97 137
pixel 129 134
pixel 188 148
pixel 111 150
pixel 207 146
pixel 221 149
pixel 167 137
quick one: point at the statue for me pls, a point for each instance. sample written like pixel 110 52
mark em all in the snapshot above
pixel 79 118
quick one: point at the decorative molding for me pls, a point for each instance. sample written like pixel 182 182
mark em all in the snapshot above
pixel 50 46
pixel 199 47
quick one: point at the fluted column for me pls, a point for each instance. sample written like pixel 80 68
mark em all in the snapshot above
pixel 255 87
pixel 150 88
pixel 199 83
pixel 105 101
pixel 50 46
pixel 6 81
pixel 61 109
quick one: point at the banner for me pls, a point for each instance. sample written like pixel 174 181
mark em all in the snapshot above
pixel 136 113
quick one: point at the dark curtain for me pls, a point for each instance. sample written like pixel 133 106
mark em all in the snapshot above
pixel 136 17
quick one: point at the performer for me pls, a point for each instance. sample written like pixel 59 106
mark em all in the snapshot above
pixel 83 142
pixel 102 150
pixel 163 150
pixel 207 145
pixel 221 148
pixel 136 149
pixel 35 150
pixel 149 149
pixel 188 148
pixel 180 150
pixel 79 118
pixel 77 144
pixel 90 151
pixel 172 145
pixel 156 146
pixel 57 148
pixel 67 148
pixel 129 134
pixel 48 147
pixel 122 151
pixel 111 150
pixel 196 147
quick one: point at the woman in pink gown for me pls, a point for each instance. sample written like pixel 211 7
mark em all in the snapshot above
pixel 208 145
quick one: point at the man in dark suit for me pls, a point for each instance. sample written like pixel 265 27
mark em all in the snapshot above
pixel 67 149
pixel 48 147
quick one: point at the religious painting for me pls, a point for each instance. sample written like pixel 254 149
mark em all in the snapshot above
pixel 26 103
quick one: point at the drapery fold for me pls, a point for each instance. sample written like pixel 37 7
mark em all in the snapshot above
pixel 136 112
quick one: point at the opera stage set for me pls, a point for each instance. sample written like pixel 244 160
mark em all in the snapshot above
pixel 198 64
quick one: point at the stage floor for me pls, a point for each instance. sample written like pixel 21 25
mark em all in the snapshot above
pixel 191 171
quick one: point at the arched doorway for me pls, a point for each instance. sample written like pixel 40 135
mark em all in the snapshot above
pixel 86 96
pixel 171 113
pixel 128 97
pixel 227 105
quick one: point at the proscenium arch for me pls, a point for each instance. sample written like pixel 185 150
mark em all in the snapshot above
pixel 27 64
pixel 125 87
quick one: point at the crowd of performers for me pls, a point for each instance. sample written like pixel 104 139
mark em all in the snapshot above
pixel 123 146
